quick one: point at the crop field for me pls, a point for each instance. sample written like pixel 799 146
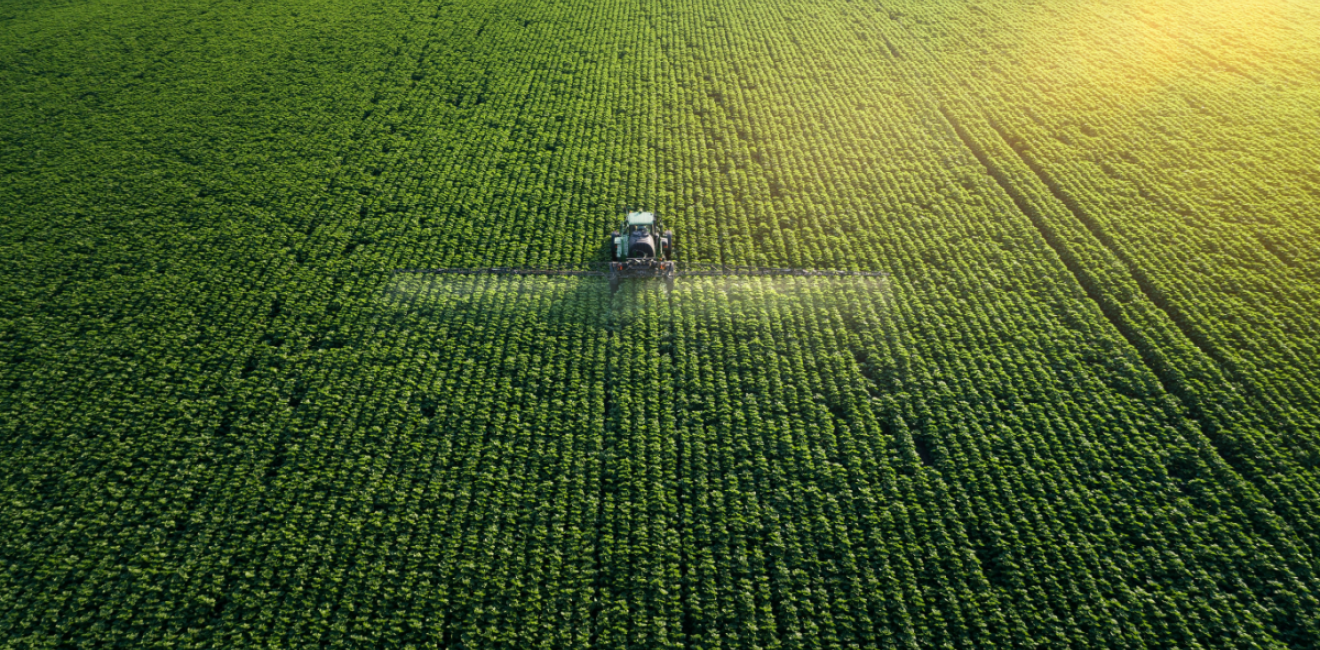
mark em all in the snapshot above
pixel 1080 408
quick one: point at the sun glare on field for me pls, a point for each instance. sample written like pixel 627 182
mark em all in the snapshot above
pixel 1141 47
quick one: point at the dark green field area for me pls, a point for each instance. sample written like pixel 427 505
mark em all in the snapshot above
pixel 1081 409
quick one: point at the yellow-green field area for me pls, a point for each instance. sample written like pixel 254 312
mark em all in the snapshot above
pixel 1079 409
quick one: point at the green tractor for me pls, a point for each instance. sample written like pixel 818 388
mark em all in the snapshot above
pixel 641 249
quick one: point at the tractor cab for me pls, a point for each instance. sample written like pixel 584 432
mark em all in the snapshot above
pixel 637 239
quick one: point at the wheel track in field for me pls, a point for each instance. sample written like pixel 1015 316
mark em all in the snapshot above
pixel 1084 278
pixel 1232 442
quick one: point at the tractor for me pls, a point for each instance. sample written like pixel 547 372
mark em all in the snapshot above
pixel 641 249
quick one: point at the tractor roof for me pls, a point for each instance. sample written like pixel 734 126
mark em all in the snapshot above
pixel 641 219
